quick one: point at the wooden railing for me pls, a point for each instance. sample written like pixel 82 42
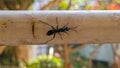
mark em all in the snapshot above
pixel 27 27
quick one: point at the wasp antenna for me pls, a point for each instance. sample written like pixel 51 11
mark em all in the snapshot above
pixel 75 31
pixel 45 23
pixel 57 23
pixel 74 27
pixel 66 24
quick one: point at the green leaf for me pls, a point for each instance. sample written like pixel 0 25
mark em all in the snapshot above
pixel 63 4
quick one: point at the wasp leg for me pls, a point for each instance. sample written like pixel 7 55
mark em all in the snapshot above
pixel 60 36
pixel 51 38
pixel 57 23
pixel 47 24
pixel 67 33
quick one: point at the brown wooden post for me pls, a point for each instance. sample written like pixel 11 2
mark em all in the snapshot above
pixel 2 48
pixel 66 56
pixel 116 56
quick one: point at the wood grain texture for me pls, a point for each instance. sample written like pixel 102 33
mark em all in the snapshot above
pixel 93 27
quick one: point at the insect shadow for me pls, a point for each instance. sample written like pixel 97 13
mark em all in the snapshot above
pixel 57 30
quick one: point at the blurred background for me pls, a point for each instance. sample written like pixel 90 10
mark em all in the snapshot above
pixel 60 56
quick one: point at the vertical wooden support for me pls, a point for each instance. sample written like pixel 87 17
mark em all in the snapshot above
pixel 90 60
pixel 2 48
pixel 116 56
pixel 66 56
pixel 22 52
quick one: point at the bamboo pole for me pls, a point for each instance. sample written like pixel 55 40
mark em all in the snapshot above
pixel 25 27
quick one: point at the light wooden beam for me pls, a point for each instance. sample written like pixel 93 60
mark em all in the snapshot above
pixel 16 27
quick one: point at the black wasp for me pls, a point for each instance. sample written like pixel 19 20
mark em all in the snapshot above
pixel 57 30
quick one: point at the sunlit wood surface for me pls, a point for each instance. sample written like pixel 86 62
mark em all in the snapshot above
pixel 16 27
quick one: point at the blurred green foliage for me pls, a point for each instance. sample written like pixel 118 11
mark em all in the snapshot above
pixel 63 5
pixel 78 61
pixel 45 61
pixel 15 4
pixel 90 4
pixel 8 57
pixel 77 2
